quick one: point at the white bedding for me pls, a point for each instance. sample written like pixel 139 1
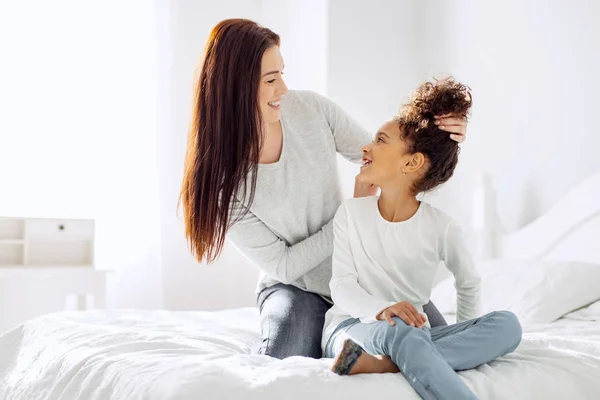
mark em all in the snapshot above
pixel 202 355
pixel 536 290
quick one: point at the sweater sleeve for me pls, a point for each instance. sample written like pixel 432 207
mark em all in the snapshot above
pixel 346 292
pixel 274 256
pixel 466 278
pixel 349 136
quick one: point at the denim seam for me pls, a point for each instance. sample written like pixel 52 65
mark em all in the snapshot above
pixel 388 342
pixel 460 335
pixel 271 290
pixel 428 388
pixel 268 335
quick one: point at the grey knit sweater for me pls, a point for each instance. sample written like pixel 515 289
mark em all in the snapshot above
pixel 287 232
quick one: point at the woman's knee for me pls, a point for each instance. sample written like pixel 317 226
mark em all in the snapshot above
pixel 293 333
pixel 292 323
pixel 292 306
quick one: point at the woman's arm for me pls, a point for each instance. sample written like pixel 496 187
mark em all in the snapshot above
pixel 349 138
pixel 348 134
pixel 467 281
pixel 346 292
pixel 271 254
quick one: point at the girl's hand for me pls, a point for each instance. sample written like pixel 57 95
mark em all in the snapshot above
pixel 362 189
pixel 453 123
pixel 406 312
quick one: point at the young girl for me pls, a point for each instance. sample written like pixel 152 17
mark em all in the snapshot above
pixel 386 253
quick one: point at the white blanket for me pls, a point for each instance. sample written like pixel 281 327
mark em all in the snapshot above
pixel 200 355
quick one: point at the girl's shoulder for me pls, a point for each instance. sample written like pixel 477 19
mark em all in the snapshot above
pixel 358 202
pixel 436 216
pixel 357 205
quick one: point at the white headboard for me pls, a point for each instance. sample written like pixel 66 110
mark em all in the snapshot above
pixel 568 231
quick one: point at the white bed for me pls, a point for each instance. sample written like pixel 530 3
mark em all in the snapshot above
pixel 191 355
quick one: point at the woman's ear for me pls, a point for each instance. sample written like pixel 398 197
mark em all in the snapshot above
pixel 415 162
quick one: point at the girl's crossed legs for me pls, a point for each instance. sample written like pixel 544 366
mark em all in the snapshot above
pixel 427 357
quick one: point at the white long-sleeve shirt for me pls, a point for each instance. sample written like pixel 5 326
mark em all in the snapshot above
pixel 377 263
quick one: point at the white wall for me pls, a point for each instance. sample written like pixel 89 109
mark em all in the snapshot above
pixel 77 130
pixel 374 60
pixel 302 26
pixel 231 280
pixel 532 69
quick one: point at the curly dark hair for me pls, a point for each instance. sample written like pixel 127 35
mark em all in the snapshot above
pixel 418 128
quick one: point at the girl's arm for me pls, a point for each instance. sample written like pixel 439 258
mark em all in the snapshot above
pixel 346 292
pixel 466 278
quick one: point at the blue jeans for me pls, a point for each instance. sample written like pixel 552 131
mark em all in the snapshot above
pixel 429 357
pixel 292 320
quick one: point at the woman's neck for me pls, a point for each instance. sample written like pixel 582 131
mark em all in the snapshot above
pixel 397 204
pixel 272 144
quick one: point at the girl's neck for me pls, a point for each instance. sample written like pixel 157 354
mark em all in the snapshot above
pixel 397 204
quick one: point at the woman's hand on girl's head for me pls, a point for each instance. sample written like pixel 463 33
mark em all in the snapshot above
pixel 406 312
pixel 453 123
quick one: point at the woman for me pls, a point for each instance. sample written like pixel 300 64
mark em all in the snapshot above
pixel 261 170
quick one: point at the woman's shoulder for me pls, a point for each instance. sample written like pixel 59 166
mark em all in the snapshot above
pixel 305 96
pixel 303 100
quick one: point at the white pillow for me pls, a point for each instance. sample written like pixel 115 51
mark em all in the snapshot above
pixel 537 291
pixel 589 313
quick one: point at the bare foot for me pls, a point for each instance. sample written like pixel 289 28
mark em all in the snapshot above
pixel 352 360
pixel 384 364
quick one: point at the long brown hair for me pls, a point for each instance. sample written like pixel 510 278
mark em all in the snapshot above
pixel 225 137
pixel 417 126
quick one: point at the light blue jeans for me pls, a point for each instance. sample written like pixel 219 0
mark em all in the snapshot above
pixel 292 321
pixel 429 357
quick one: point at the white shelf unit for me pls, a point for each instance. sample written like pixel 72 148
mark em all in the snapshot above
pixel 47 265
pixel 46 242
